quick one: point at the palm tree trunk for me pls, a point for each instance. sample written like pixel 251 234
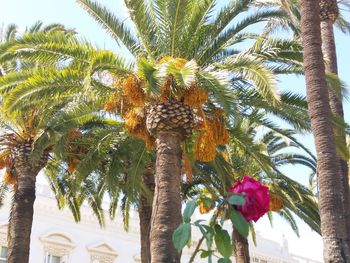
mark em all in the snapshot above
pixel 332 220
pixel 145 214
pixel 166 213
pixel 21 218
pixel 329 53
pixel 336 105
pixel 242 247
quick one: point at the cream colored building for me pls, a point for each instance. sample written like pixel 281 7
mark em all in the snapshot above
pixel 56 238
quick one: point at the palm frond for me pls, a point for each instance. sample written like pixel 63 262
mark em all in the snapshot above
pixel 343 24
pixel 36 27
pixel 10 33
pixel 252 69
pixel 287 215
pixel 336 85
pixel 199 13
pixel 176 12
pixel 226 15
pixel 114 26
pixel 146 27
pixel 46 47
pixel 223 40
pixel 216 83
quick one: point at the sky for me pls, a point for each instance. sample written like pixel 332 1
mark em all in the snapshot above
pixel 25 12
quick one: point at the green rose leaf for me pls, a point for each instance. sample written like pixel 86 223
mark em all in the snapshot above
pixel 223 216
pixel 181 236
pixel 236 199
pixel 239 223
pixel 223 241
pixel 190 207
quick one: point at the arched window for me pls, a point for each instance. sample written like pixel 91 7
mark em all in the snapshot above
pixel 102 253
pixel 57 247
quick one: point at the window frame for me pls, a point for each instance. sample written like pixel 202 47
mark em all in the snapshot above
pixel 3 259
pixel 48 258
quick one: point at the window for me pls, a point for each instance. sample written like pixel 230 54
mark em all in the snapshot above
pixel 57 247
pixel 102 253
pixel 3 255
pixel 53 259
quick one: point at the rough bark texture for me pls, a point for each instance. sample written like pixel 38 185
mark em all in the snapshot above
pixel 328 47
pixel 21 217
pixel 145 214
pixel 242 248
pixel 328 10
pixel 332 220
pixel 166 213
pixel 335 101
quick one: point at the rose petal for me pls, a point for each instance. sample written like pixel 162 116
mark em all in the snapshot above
pixel 257 198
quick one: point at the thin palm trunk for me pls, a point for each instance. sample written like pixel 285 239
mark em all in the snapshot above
pixel 166 213
pixel 332 220
pixel 145 214
pixel 242 247
pixel 335 101
pixel 21 218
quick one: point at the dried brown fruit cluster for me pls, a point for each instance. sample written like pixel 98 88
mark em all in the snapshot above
pixel 195 96
pixel 75 150
pixel 213 133
pixel 135 122
pixel 9 176
pixel 276 203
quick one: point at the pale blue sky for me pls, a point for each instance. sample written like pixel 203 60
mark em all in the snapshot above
pixel 26 12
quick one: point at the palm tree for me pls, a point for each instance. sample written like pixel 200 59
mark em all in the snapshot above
pixel 16 145
pixel 167 31
pixel 36 133
pixel 29 137
pixel 328 14
pixel 30 131
pixel 336 249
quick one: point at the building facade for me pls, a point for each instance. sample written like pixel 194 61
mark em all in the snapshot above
pixel 56 238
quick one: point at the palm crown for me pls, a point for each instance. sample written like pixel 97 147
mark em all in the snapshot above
pixel 186 53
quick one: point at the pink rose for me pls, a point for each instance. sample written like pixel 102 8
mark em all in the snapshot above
pixel 257 198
